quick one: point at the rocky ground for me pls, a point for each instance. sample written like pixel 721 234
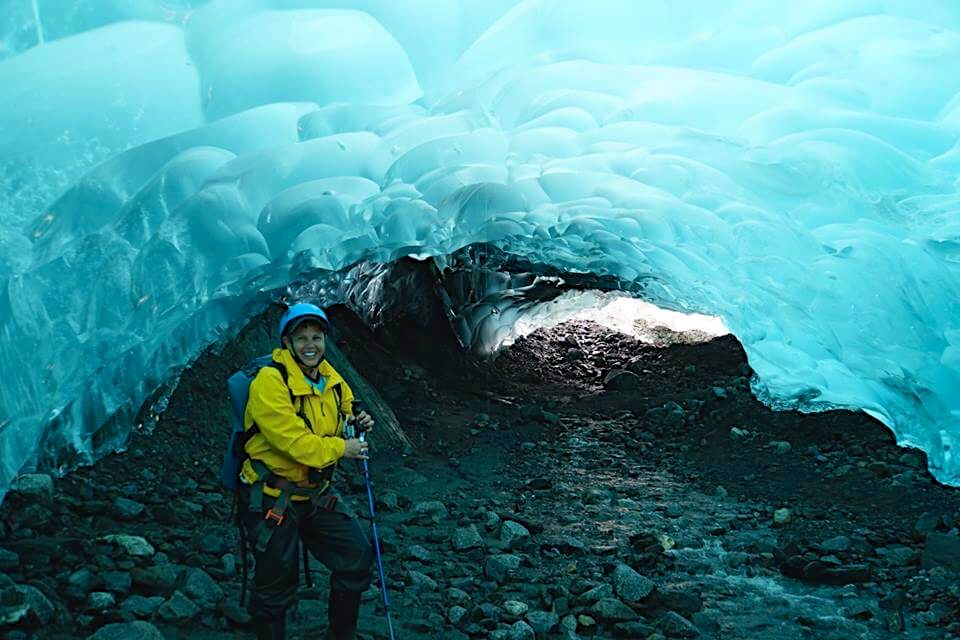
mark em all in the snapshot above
pixel 582 485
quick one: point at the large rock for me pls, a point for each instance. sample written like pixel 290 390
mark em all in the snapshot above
pixel 127 509
pixel 501 566
pixel 138 630
pixel 630 585
pixel 520 630
pixel 542 622
pixel 513 534
pixel 621 380
pixel 430 508
pixel 673 625
pixel 81 582
pixel 130 545
pixel 941 550
pixel 159 578
pixel 612 610
pixel 34 485
pixel 465 538
pixel 202 589
pixel 40 606
pixel 422 582
pixel 8 560
pixel 117 581
pixel 179 608
pixel 99 602
pixel 140 606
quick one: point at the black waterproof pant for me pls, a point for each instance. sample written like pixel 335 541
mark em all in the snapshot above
pixel 332 536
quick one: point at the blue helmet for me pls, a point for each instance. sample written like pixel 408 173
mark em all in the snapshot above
pixel 301 312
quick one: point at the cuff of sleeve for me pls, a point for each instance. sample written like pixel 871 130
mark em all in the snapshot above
pixel 340 446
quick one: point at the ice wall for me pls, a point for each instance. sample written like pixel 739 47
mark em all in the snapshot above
pixel 793 168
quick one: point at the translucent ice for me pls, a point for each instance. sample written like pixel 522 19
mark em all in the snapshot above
pixel 793 168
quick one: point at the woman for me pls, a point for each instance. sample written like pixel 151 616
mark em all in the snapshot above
pixel 296 409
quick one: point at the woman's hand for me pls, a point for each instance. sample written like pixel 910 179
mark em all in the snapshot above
pixel 356 449
pixel 363 421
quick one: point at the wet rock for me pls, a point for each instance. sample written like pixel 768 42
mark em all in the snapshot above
pixel 822 573
pixel 780 447
pixel 8 560
pixel 130 545
pixel 458 596
pixel 880 469
pixel 597 593
pixel 501 566
pixel 13 614
pixel 915 459
pixel 465 538
pixel 542 622
pixel 630 585
pixel 739 434
pixel 513 534
pixel 99 601
pixel 117 581
pixel 898 555
pixel 612 610
pixel 388 501
pixel 673 625
pixel 621 380
pixel 80 583
pixel 214 540
pixel 138 630
pixel 683 598
pixel 520 630
pixel 836 544
pixel 781 516
pixel 927 523
pixel 202 589
pixel 39 606
pixel 418 552
pixel 539 484
pixel 941 550
pixel 515 607
pixel 34 485
pixel 431 510
pixel 421 581
pixel 140 606
pixel 456 615
pixel 157 579
pixel 567 545
pixel 635 630
pixel 179 608
pixel 126 509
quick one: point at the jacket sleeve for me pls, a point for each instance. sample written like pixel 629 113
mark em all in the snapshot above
pixel 284 430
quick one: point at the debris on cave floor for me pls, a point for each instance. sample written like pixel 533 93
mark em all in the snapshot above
pixel 579 485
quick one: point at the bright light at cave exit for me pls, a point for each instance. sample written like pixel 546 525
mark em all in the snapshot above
pixel 631 316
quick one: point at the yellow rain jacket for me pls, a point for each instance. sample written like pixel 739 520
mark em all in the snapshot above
pixel 285 443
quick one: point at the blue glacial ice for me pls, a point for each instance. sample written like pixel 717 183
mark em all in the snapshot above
pixel 167 166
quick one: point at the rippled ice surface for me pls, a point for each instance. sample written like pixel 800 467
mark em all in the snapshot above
pixel 166 165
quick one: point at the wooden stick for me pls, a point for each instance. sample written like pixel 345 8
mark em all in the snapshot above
pixel 387 432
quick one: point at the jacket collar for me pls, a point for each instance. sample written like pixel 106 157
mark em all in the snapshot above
pixel 296 379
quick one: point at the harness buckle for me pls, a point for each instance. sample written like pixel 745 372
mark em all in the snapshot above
pixel 272 515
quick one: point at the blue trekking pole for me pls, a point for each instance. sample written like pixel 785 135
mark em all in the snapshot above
pixel 373 523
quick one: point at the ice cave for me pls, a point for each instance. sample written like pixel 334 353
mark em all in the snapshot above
pixel 167 166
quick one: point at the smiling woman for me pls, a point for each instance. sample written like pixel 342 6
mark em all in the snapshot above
pixel 296 438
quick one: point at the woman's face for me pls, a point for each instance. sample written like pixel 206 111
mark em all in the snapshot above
pixel 309 342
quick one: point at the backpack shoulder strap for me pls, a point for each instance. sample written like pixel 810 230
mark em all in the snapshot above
pixel 279 366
